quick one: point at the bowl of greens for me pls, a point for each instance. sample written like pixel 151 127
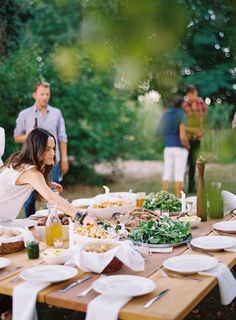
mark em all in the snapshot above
pixel 163 201
pixel 163 233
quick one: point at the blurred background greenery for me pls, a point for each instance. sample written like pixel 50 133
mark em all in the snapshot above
pixel 113 66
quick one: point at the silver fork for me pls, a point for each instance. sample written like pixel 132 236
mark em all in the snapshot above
pixel 18 278
pixel 86 291
pixel 199 250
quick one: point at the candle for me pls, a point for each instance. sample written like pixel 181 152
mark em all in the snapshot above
pixel 183 201
pixel 107 190
pixel 71 234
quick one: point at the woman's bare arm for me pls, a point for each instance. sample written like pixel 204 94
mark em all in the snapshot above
pixel 37 181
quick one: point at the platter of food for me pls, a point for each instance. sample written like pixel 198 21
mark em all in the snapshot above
pixel 132 218
pixel 163 202
pixel 161 234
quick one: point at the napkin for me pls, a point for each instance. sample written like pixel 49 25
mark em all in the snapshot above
pixel 24 300
pixel 231 249
pixel 105 307
pixel 229 201
pixel 92 262
pixel 226 282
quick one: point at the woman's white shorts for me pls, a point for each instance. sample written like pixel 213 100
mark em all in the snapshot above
pixel 175 164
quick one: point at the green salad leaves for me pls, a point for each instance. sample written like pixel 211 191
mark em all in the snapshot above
pixel 163 201
pixel 166 231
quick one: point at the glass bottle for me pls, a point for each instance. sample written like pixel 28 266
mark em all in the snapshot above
pixel 201 192
pixel 53 228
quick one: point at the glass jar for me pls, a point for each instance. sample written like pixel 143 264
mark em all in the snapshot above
pixel 33 249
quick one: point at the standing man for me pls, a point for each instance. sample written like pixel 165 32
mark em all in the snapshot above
pixel 2 144
pixel 42 115
pixel 195 109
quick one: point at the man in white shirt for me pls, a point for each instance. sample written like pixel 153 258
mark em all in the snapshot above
pixel 2 144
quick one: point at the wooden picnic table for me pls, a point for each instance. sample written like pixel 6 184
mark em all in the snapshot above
pixel 178 303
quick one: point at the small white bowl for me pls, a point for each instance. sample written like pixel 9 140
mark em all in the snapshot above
pixel 193 220
pixel 56 256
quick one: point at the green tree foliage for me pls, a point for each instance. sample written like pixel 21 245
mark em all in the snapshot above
pixel 207 52
pixel 99 55
pixel 101 124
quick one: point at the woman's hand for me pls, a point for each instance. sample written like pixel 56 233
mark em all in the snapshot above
pixel 88 220
pixel 57 186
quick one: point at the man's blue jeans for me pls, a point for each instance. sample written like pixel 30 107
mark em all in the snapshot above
pixel 29 204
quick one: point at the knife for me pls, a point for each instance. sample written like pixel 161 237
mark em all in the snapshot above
pixel 75 283
pixel 154 299
pixel 10 272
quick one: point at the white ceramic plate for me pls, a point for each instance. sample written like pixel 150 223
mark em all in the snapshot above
pixel 49 273
pixel 123 285
pixel 4 262
pixel 83 203
pixel 41 214
pixel 225 226
pixel 190 263
pixel 19 223
pixel 214 242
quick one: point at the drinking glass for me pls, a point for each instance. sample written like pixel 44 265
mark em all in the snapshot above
pixel 33 249
pixel 58 243
pixel 140 197
pixel 215 200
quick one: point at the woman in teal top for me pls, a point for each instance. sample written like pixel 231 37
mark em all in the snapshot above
pixel 172 128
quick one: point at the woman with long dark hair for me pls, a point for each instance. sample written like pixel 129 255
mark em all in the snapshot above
pixel 28 170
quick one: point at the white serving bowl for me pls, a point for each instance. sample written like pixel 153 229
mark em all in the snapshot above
pixel 193 220
pixel 79 239
pixel 41 232
pixel 120 196
pixel 107 213
pixel 83 203
pixel 56 256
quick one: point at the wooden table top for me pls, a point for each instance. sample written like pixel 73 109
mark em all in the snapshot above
pixel 167 308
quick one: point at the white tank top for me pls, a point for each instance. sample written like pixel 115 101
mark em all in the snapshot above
pixel 12 196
